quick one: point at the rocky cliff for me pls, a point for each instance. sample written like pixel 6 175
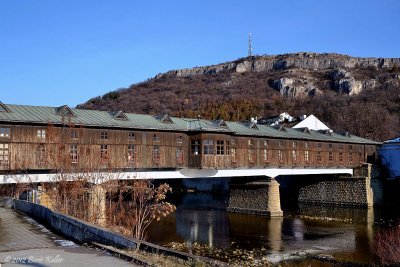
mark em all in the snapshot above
pixel 338 69
pixel 305 61
pixel 338 89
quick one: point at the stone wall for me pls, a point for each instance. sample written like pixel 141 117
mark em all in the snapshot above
pixel 345 191
pixel 255 198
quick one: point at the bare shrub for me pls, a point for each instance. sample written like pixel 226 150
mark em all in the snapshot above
pixel 137 206
pixel 387 245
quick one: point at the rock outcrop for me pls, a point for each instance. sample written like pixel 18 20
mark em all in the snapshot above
pixel 295 88
pixel 308 61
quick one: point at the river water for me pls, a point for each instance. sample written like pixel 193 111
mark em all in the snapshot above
pixel 201 225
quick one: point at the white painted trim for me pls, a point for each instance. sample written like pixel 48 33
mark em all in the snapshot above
pixel 184 173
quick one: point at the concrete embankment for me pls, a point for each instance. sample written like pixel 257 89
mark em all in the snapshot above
pixel 83 232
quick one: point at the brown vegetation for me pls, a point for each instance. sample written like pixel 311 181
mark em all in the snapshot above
pixel 374 113
pixel 137 205
pixel 387 245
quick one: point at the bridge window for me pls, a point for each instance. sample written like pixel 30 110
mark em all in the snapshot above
pixel 4 132
pixel 156 154
pixel 220 147
pixel 341 157
pixel 195 147
pixel 233 152
pixel 251 155
pixel 41 134
pixel 228 147
pixel 294 155
pixel 103 153
pixel 306 156
pixel 265 154
pixel 179 155
pixel 131 137
pixel 330 157
pixel 250 142
pixel 104 136
pixel 4 154
pixel 73 153
pixel 350 157
pixel 131 155
pixel 74 134
pixel 319 159
pixel 40 155
pixel 179 140
pixel 280 155
pixel 156 138
pixel 208 147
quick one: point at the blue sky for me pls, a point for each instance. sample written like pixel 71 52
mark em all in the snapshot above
pixel 65 52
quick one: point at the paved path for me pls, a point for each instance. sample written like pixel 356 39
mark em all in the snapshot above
pixel 23 241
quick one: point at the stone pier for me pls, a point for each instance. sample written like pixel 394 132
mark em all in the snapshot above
pixel 97 205
pixel 260 197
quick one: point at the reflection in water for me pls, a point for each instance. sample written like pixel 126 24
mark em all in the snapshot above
pixel 205 226
pixel 346 233
pixel 274 235
pixel 202 218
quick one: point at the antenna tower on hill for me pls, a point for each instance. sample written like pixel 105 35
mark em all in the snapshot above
pixel 250 52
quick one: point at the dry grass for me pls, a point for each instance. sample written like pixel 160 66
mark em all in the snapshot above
pixel 387 245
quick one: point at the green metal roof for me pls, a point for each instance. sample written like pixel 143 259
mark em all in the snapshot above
pixel 96 118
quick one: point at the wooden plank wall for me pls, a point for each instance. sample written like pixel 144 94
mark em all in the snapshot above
pixel 24 143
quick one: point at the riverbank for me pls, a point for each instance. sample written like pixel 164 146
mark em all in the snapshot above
pixel 82 232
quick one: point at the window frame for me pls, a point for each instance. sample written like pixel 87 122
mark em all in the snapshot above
pixel 74 153
pixel 104 155
pixel 4 153
pixel 41 155
pixel 156 154
pixel 280 155
pixel 41 134
pixel 208 147
pixel 294 155
pixel 330 157
pixel 104 135
pixel 179 139
pixel 319 157
pixel 195 147
pixel 5 132
pixel 156 138
pixel 220 147
pixel 131 136
pixel 131 154
pixel 74 134
pixel 179 155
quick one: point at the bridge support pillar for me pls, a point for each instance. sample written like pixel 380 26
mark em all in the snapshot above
pixel 344 191
pixel 97 205
pixel 261 197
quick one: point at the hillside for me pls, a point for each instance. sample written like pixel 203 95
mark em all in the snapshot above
pixel 359 95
